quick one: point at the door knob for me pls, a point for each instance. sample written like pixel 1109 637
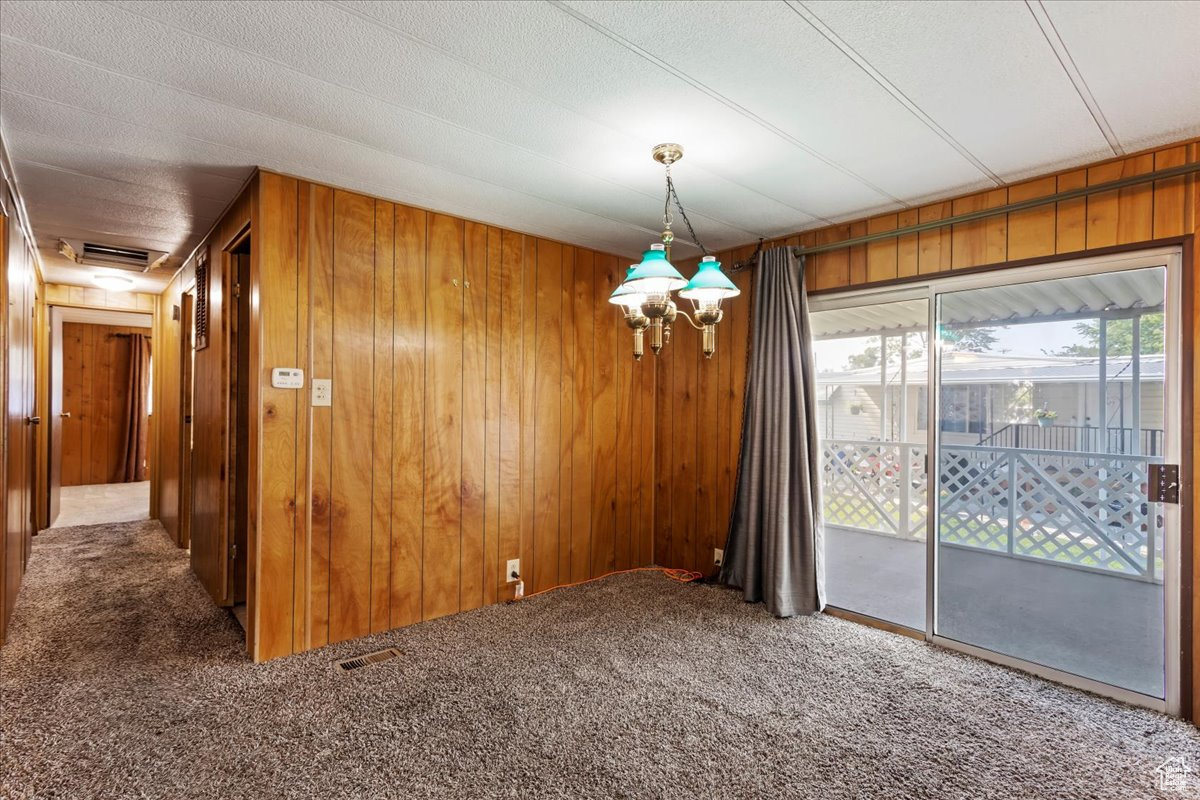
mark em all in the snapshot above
pixel 34 420
pixel 65 415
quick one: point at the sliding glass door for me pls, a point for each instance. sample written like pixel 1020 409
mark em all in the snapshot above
pixel 872 367
pixel 1045 405
pixel 1051 416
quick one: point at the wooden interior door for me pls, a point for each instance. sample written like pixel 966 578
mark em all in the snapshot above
pixel 95 394
pixel 58 416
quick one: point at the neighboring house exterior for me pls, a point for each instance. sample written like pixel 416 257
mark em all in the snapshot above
pixel 984 392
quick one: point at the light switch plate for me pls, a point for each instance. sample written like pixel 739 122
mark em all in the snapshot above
pixel 287 378
pixel 322 394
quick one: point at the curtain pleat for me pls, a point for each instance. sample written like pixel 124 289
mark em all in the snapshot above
pixel 133 453
pixel 775 547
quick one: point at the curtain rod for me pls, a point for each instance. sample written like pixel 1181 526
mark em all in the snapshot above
pixel 972 216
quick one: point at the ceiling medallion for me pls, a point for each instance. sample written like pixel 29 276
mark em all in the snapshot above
pixel 646 292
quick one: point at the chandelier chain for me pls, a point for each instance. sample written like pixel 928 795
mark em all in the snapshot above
pixel 672 194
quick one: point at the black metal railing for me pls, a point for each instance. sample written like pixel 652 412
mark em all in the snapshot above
pixel 1080 438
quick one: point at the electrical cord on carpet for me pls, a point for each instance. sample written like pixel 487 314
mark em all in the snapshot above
pixel 681 575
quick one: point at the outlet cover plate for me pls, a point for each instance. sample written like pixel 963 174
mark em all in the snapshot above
pixel 322 392
pixel 718 556
pixel 514 565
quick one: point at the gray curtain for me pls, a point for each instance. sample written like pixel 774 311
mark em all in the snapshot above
pixel 775 548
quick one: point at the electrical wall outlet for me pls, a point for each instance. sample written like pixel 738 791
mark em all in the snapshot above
pixel 322 392
pixel 718 556
pixel 513 571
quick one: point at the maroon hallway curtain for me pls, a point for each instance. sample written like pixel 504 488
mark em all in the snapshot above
pixel 133 453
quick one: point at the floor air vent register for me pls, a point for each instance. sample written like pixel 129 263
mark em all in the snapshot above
pixel 367 660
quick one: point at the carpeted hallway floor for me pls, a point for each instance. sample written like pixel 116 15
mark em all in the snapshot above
pixel 122 680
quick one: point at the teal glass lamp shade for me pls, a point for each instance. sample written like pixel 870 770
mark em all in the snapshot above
pixel 655 275
pixel 626 295
pixel 709 285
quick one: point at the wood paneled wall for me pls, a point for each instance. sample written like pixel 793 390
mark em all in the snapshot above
pixel 58 294
pixel 485 407
pixel 166 421
pixel 482 411
pixel 1154 211
pixel 96 393
pixel 20 285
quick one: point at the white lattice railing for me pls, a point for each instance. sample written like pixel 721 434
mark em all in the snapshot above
pixel 1085 509
pixel 875 486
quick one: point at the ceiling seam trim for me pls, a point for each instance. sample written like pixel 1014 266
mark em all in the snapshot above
pixel 722 99
pixel 820 27
pixel 382 25
pixel 427 115
pixel 1042 17
pixel 334 136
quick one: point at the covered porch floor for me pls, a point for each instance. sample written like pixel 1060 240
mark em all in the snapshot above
pixel 1105 627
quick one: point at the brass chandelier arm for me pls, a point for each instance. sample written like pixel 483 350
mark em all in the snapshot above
pixel 688 317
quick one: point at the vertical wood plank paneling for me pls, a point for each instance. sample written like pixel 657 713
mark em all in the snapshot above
pixel 685 354
pixel 1031 233
pixel 858 253
pixel 1070 221
pixel 73 401
pixel 319 233
pixel 384 416
pixel 1169 195
pixel 529 444
pixel 604 418
pixel 882 256
pixel 583 313
pixel 492 566
pixel 724 430
pixel 567 411
pixel 708 459
pixel 441 559
pixel 933 246
pixel 510 379
pixel 664 455
pixel 301 549
pixel 353 407
pixel 981 242
pixel 408 434
pixel 547 382
pixel 474 413
pixel 832 269
pixel 908 246
pixel 644 460
pixel 1125 215
pixel 623 463
pixel 275 533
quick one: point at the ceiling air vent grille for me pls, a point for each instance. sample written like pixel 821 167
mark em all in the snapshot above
pixel 370 658
pixel 95 254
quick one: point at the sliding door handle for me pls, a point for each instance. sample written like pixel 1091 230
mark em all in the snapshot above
pixel 65 415
pixel 33 420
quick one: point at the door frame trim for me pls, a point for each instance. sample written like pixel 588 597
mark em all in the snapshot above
pixel 1170 257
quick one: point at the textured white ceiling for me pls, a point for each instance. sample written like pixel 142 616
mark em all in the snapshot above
pixel 135 123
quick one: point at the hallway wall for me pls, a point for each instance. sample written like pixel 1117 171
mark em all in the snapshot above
pixel 20 286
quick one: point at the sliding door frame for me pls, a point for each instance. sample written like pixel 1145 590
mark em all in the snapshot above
pixel 1171 259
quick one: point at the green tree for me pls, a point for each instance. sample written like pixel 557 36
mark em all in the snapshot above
pixel 869 357
pixel 1119 337
pixel 970 340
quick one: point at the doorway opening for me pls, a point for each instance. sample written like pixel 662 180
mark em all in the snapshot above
pixel 239 429
pixel 100 407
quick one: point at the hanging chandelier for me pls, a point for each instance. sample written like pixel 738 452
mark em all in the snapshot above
pixel 645 294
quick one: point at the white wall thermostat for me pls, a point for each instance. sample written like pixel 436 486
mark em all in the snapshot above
pixel 287 378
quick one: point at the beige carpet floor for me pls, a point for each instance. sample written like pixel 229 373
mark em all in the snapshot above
pixel 102 502
pixel 122 680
